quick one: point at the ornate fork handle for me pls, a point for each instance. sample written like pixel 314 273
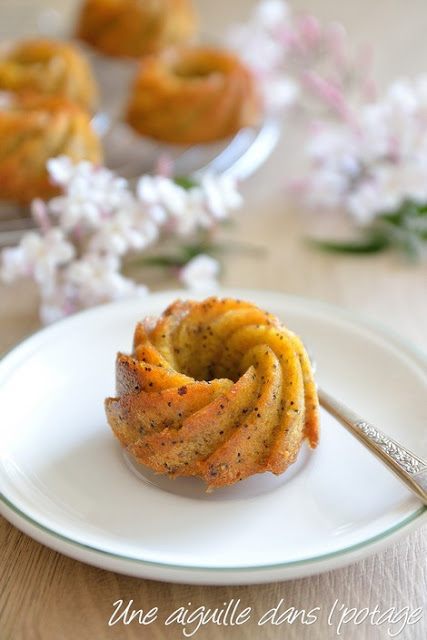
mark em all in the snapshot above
pixel 407 466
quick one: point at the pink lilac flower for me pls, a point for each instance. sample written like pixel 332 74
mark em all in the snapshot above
pixel 298 61
pixel 372 166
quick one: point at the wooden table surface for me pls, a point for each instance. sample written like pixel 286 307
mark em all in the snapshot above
pixel 45 595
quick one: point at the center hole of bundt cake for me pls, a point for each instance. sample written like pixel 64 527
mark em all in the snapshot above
pixel 208 368
pixel 193 70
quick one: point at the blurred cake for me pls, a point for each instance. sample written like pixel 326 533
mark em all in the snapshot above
pixel 34 129
pixel 134 28
pixel 47 67
pixel 192 95
pixel 217 389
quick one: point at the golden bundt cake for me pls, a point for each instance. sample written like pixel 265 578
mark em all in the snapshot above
pixel 34 129
pixel 217 389
pixel 47 67
pixel 134 28
pixel 193 95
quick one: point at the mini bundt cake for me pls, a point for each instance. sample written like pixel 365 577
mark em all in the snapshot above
pixel 47 67
pixel 193 95
pixel 217 389
pixel 34 129
pixel 134 28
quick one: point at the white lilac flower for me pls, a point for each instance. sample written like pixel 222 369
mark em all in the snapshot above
pixel 264 56
pixel 97 279
pixel 398 183
pixel 362 203
pixel 250 41
pixel 37 256
pixel 208 203
pixel 61 170
pixel 13 264
pixel 84 283
pixel 193 217
pixel 257 40
pixel 97 220
pixel 221 194
pixel 196 215
pixel 264 51
pixel 116 235
pixel 186 210
pixel 162 197
pixel 58 303
pixel 325 188
pixel 335 147
pixel 91 194
pixel 279 92
pixel 146 233
pixel 200 273
pixel 271 13
pixel 51 311
pixel 128 230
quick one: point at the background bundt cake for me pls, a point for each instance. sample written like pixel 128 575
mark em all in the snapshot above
pixel 134 28
pixel 34 129
pixel 192 95
pixel 217 389
pixel 47 67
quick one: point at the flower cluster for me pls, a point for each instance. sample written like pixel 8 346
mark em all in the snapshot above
pixel 297 60
pixel 374 166
pixel 85 234
pixel 367 156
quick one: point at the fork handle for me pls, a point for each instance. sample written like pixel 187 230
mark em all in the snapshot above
pixel 407 466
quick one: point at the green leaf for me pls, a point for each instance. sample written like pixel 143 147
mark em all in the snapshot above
pixel 190 251
pixel 404 229
pixel 407 210
pixel 185 183
pixel 222 248
pixel 373 243
pixel 159 261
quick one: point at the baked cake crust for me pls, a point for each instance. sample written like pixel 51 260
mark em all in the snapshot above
pixel 47 67
pixel 217 389
pixel 34 129
pixel 134 28
pixel 193 95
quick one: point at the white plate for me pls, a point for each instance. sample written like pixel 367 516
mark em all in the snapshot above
pixel 66 482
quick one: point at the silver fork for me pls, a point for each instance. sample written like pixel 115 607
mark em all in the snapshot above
pixel 406 465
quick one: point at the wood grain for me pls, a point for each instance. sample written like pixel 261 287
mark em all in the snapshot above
pixel 47 596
